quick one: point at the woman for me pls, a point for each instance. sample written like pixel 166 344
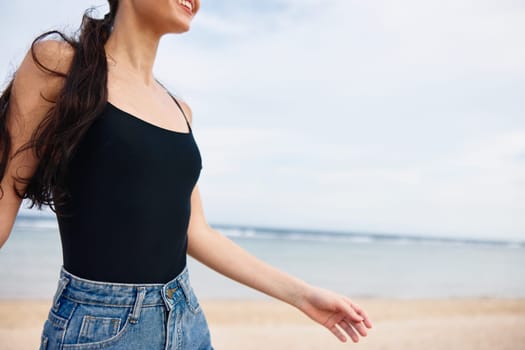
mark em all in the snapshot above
pixel 88 130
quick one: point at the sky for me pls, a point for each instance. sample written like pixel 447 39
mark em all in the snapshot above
pixel 362 116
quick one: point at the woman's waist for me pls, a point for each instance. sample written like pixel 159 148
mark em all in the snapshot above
pixel 83 290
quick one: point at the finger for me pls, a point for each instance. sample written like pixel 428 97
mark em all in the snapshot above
pixel 351 313
pixel 337 333
pixel 358 326
pixel 346 327
pixel 366 320
pixel 361 312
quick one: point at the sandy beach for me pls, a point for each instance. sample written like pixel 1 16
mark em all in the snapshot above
pixel 429 324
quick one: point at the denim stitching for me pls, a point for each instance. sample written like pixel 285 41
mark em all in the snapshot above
pixel 84 302
pixel 66 325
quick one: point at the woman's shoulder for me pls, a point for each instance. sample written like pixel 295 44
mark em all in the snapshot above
pixel 184 105
pixel 53 54
pixel 187 110
pixel 42 72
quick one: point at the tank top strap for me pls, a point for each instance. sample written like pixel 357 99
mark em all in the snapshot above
pixel 178 104
pixel 184 114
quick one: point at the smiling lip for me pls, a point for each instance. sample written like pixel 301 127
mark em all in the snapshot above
pixel 187 9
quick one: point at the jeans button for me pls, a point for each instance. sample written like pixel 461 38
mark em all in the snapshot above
pixel 169 292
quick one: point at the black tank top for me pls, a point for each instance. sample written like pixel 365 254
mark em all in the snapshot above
pixel 130 183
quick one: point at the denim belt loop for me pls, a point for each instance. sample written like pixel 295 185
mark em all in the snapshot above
pixel 62 283
pixel 134 317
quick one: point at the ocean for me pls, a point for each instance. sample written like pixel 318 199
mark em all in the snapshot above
pixel 357 265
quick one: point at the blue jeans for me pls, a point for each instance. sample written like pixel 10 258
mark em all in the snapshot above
pixel 92 315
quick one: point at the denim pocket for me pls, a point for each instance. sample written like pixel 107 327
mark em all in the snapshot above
pixel 95 326
pixel 94 329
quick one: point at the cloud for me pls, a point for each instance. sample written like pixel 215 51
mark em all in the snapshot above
pixel 392 116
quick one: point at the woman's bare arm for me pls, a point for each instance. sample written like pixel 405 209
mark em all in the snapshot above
pixel 26 110
pixel 221 254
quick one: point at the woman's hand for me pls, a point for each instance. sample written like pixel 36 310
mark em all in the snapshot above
pixel 330 309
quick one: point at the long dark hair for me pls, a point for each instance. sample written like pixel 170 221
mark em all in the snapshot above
pixel 81 99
